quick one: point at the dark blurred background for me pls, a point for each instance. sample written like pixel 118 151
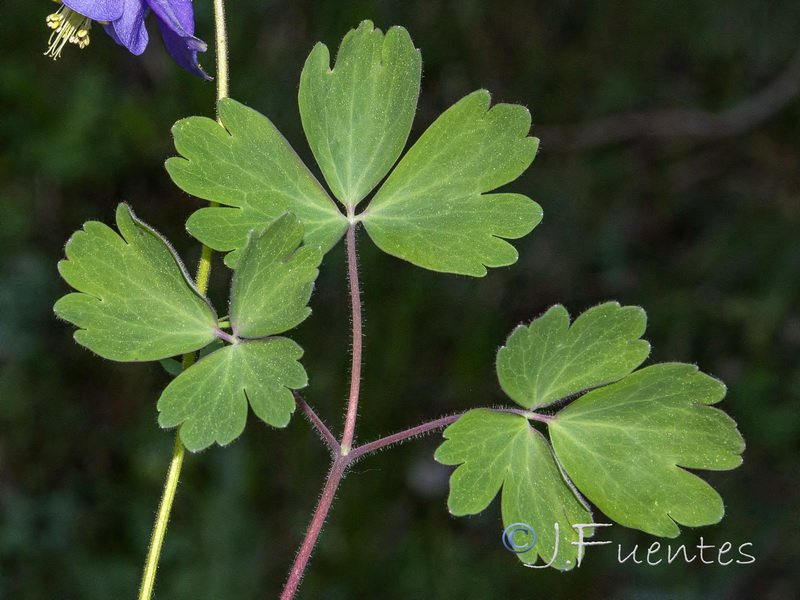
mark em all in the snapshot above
pixel 691 211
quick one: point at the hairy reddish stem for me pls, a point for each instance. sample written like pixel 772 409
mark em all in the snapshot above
pixel 343 452
pixel 321 428
pixel 317 521
pixel 340 464
pixel 402 436
pixel 355 371
pixel 407 434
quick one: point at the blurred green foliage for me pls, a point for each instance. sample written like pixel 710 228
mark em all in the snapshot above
pixel 703 235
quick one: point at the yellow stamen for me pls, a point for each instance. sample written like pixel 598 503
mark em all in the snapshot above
pixel 67 26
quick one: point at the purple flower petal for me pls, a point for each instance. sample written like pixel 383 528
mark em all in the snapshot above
pixel 125 25
pixel 183 49
pixel 110 31
pixel 175 19
pixel 97 10
pixel 129 28
pixel 178 15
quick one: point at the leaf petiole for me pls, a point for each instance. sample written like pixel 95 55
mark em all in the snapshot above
pixel 226 337
pixel 355 371
pixel 534 416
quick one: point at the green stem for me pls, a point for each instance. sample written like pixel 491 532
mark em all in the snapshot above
pixel 221 36
pixel 203 275
pixel 201 281
pixel 160 528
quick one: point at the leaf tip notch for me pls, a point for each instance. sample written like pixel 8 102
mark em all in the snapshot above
pixel 357 113
pixel 627 446
pixel 273 280
pixel 496 451
pixel 133 300
pixel 247 167
pixel 550 360
pixel 209 401
pixel 435 209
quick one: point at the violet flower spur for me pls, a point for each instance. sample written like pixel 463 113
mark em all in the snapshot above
pixel 123 20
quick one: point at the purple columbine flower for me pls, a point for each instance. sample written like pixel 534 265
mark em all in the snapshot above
pixel 123 20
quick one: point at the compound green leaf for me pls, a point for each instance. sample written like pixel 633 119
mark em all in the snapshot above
pixel 623 446
pixel 433 209
pixel 273 282
pixel 357 116
pixel 496 449
pixel 135 301
pixel 210 399
pixel 549 360
pixel 249 166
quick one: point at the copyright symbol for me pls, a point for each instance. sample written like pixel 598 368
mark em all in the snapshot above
pixel 526 532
